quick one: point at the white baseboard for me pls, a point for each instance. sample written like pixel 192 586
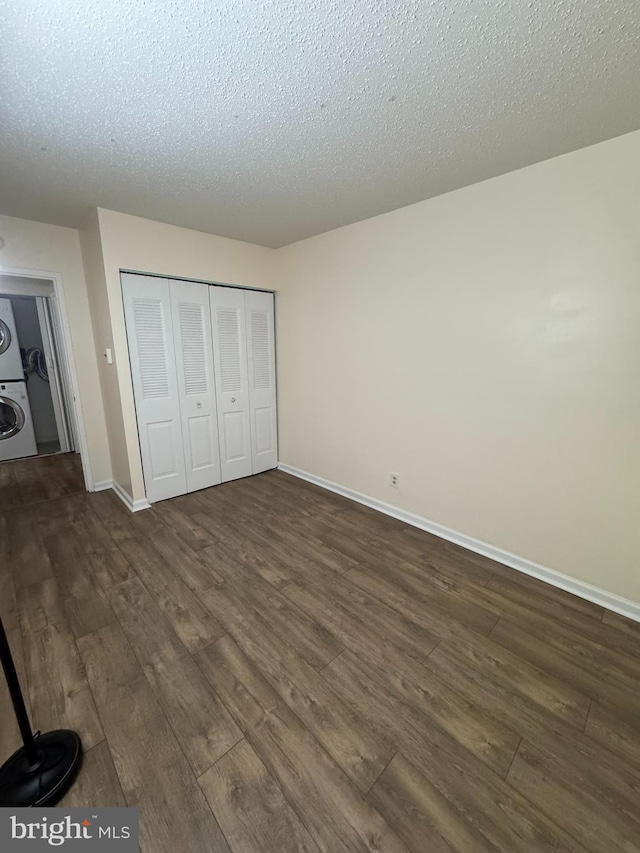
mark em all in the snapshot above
pixel 608 600
pixel 127 500
pixel 125 497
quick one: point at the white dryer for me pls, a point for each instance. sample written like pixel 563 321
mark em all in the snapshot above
pixel 10 358
pixel 17 437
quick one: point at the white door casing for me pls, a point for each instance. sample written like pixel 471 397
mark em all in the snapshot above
pixel 147 308
pixel 232 392
pixel 262 379
pixel 55 384
pixel 196 388
pixel 64 371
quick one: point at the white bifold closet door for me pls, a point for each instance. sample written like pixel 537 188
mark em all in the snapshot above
pixel 203 369
pixel 232 385
pixel 148 314
pixel 262 379
pixel 196 389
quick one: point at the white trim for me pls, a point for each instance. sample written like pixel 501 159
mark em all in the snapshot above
pixel 68 358
pixel 125 497
pixel 195 280
pixel 608 600
pixel 52 352
pixel 27 287
pixel 128 501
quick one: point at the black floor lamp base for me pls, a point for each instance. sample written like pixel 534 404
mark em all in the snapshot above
pixel 45 782
pixel 40 772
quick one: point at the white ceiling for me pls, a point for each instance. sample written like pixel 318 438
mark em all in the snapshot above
pixel 272 120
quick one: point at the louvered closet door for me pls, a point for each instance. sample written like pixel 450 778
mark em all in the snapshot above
pixel 262 380
pixel 147 309
pixel 232 392
pixel 196 388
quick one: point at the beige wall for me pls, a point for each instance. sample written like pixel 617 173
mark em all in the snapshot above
pixel 101 321
pixel 485 345
pixel 32 246
pixel 141 245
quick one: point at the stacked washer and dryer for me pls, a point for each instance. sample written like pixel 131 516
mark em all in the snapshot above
pixel 17 436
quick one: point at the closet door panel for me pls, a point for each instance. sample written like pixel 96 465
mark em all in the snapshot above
pixel 265 432
pixel 232 392
pixel 147 309
pixel 196 385
pixel 235 436
pixel 202 432
pixel 262 380
pixel 163 459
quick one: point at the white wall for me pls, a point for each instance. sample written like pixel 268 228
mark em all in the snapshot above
pixel 32 246
pixel 485 345
pixel 131 243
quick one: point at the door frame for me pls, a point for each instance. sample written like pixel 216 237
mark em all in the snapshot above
pixel 67 365
pixel 45 306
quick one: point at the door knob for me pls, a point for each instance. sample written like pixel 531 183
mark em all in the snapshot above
pixel 233 399
pixel 199 404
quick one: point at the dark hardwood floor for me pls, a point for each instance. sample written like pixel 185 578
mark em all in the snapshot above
pixel 39 478
pixel 265 667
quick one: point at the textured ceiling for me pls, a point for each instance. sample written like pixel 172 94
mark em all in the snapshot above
pixel 271 121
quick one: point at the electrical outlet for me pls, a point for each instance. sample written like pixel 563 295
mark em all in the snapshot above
pixel 395 481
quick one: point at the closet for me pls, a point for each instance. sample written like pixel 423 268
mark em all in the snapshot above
pixel 203 369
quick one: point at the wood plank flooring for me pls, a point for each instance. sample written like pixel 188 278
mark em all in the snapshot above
pixel 38 478
pixel 265 667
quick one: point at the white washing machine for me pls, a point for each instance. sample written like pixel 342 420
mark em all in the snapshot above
pixel 10 358
pixel 17 437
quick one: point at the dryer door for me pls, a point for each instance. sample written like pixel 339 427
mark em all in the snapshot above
pixel 5 337
pixel 11 418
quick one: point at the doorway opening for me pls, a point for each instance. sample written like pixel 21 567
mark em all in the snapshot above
pixel 37 415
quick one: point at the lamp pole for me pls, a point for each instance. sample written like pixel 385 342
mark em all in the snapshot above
pixel 43 769
pixel 17 699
